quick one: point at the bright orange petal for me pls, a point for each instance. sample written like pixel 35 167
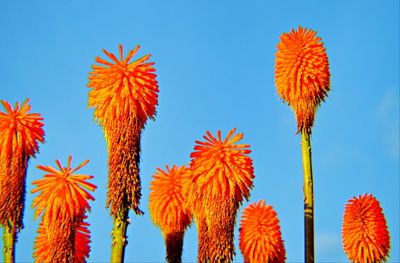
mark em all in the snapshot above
pixel 302 74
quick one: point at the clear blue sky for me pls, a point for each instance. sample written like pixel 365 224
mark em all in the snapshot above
pixel 215 66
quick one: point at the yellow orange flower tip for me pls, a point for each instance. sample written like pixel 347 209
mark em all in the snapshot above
pixel 302 74
pixel 365 235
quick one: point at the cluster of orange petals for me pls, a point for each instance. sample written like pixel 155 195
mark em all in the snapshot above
pixel 302 74
pixel 62 202
pixel 167 202
pixel 20 131
pixel 364 232
pixel 122 88
pixel 221 168
pixel 260 238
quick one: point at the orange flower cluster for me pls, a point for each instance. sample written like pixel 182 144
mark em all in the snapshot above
pixel 62 202
pixel 168 207
pixel 20 132
pixel 364 232
pixel 222 175
pixel 302 74
pixel 124 94
pixel 260 238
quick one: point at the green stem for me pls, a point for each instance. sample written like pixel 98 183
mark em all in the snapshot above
pixel 308 197
pixel 119 236
pixel 9 235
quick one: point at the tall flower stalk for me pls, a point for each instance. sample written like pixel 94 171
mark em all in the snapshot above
pixel 124 94
pixel 20 132
pixel 260 238
pixel 365 234
pixel 62 202
pixel 222 176
pixel 168 208
pixel 302 79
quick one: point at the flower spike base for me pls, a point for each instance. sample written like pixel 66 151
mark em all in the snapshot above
pixel 308 197
pixel 9 243
pixel 119 236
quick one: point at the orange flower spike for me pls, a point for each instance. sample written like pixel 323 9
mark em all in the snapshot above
pixel 222 168
pixel 166 202
pixel 365 234
pixel 123 88
pixel 20 131
pixel 222 174
pixel 124 94
pixel 260 238
pixel 168 208
pixel 302 74
pixel 62 193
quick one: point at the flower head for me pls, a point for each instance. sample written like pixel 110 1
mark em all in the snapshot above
pixel 364 232
pixel 302 74
pixel 122 88
pixel 222 169
pixel 20 131
pixel 260 237
pixel 63 194
pixel 167 202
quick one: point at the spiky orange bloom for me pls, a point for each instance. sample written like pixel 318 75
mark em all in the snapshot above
pixel 124 94
pixel 63 194
pixel 166 200
pixel 63 201
pixel 222 175
pixel 168 208
pixel 302 74
pixel 260 238
pixel 20 132
pixel 364 232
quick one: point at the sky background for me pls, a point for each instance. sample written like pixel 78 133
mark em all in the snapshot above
pixel 215 67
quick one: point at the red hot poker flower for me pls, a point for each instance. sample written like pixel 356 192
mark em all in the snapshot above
pixel 20 132
pixel 364 232
pixel 260 238
pixel 302 74
pixel 63 194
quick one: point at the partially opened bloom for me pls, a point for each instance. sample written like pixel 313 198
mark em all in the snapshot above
pixel 364 232
pixel 222 175
pixel 20 132
pixel 62 202
pixel 124 94
pixel 302 74
pixel 168 208
pixel 260 238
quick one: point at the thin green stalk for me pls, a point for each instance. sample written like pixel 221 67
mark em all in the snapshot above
pixel 308 197
pixel 9 235
pixel 119 236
